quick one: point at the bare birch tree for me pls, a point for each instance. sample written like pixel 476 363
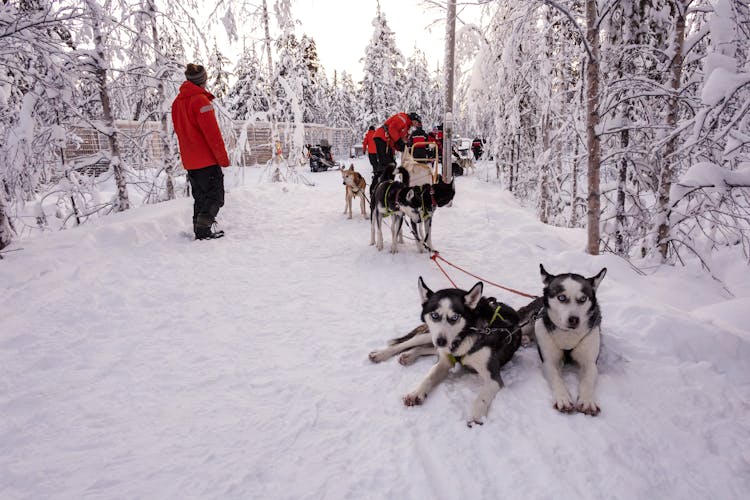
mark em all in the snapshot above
pixel 98 62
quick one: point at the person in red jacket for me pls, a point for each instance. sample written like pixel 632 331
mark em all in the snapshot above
pixel 392 135
pixel 201 148
pixel 368 147
pixel 436 136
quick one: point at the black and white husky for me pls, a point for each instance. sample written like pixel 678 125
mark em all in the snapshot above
pixel 567 328
pixel 419 207
pixel 395 198
pixel 418 342
pixel 479 333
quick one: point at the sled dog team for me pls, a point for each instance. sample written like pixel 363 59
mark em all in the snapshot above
pixel 482 335
pixel 475 331
pixel 398 199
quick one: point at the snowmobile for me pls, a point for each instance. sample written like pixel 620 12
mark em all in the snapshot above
pixel 321 157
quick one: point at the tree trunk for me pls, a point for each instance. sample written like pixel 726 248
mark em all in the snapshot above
pixel 669 161
pixel 123 202
pixel 544 172
pixel 592 124
pixel 513 159
pixel 6 233
pixel 622 177
pixel 273 107
pixel 165 143
pixel 450 71
pixel 574 188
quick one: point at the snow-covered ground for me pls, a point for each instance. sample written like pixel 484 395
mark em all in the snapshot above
pixel 137 363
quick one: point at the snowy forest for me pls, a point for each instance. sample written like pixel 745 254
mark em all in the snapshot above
pixel 629 118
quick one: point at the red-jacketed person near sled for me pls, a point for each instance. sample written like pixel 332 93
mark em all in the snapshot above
pixel 368 148
pixel 392 135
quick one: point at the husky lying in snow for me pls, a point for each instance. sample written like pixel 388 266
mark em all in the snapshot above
pixel 564 322
pixel 479 333
pixel 568 329
pixel 418 342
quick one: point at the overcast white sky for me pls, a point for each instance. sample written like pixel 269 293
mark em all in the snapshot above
pixel 343 28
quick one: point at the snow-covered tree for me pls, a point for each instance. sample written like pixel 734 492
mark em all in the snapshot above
pixel 672 76
pixel 418 86
pixel 317 90
pixel 37 85
pixel 380 92
pixel 345 110
pixel 247 99
pixel 216 67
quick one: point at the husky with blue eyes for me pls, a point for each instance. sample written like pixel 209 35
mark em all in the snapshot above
pixel 568 329
pixel 477 332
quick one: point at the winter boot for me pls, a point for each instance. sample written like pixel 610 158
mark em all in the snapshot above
pixel 203 229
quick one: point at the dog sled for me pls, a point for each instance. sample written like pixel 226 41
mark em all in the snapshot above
pixel 321 157
pixel 421 161
pixel 462 157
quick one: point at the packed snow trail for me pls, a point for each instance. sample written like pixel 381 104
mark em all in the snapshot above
pixel 137 363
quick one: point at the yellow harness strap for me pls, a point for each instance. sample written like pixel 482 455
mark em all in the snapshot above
pixel 496 315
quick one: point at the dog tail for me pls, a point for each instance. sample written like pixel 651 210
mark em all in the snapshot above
pixel 420 329
pixel 404 175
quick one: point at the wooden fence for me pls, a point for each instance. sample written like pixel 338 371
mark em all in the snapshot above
pixel 141 145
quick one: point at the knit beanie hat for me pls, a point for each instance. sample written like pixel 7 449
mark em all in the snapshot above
pixel 196 74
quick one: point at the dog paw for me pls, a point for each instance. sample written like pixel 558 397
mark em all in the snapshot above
pixel 471 423
pixel 414 399
pixel 564 406
pixel 376 356
pixel 589 407
pixel 407 359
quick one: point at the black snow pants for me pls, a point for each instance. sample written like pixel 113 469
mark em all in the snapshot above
pixel 207 184
pixel 373 157
pixel 385 155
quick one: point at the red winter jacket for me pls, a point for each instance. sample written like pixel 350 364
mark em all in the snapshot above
pixel 201 144
pixel 398 128
pixel 368 145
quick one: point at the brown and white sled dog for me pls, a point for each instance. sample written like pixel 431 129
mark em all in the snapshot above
pixel 355 187
pixel 568 329
pixel 466 328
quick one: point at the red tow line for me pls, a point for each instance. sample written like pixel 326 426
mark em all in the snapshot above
pixel 436 255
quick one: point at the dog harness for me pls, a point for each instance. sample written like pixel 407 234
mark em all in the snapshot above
pixel 388 210
pixel 455 359
pixel 488 330
pixel 496 315
pixel 426 214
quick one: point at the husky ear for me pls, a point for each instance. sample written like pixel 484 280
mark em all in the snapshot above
pixel 351 167
pixel 424 292
pixel 546 277
pixel 472 296
pixel 595 280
